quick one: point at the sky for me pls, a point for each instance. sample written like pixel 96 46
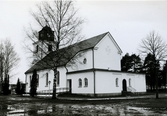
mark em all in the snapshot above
pixel 127 21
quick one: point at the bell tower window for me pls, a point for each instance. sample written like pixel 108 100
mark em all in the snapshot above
pixel 48 34
pixel 49 48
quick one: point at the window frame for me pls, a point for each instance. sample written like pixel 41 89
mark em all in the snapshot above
pixel 79 82
pixel 130 82
pixel 86 82
pixel 116 82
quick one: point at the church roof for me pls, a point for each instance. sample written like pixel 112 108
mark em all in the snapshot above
pixel 62 56
pixel 46 28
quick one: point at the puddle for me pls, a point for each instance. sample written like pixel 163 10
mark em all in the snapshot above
pixel 50 109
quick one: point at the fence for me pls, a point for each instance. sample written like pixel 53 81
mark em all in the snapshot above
pixel 58 90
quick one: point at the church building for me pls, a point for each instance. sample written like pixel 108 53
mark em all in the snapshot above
pixel 96 70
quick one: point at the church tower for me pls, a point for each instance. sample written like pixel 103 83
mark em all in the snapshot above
pixel 45 43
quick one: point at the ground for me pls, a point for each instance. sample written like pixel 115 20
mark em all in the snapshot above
pixel 129 106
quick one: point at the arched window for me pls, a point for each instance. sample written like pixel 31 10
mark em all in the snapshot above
pixel 47 76
pixel 84 60
pixel 80 82
pixel 49 48
pixel 86 82
pixel 129 82
pixel 116 82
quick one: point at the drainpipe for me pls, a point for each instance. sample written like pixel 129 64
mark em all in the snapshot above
pixel 94 76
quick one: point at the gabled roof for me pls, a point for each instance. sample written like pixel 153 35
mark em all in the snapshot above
pixel 64 55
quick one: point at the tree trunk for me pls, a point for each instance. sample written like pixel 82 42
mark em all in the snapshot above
pixel 156 72
pixel 54 83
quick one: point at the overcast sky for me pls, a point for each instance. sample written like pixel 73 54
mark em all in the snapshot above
pixel 127 21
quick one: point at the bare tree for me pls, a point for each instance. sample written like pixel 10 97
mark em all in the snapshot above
pixel 60 16
pixel 10 57
pixel 153 44
pixel 9 60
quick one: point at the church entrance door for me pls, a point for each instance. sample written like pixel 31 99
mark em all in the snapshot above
pixel 124 86
pixel 70 85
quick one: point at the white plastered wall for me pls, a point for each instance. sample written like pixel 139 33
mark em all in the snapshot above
pixel 107 55
pixel 79 61
pixel 106 82
pixel 75 83
pixel 42 79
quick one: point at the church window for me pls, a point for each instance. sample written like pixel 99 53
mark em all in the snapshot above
pixel 41 35
pixel 47 79
pixel 86 82
pixel 48 34
pixel 116 82
pixel 84 60
pixel 80 82
pixel 129 82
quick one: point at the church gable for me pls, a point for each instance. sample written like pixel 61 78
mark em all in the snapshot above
pixel 112 43
pixel 107 54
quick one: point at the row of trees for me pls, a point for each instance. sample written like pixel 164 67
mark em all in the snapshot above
pixel 133 63
pixel 9 60
pixel 154 50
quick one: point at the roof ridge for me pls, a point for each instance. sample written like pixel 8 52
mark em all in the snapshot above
pixel 95 36
pixel 88 39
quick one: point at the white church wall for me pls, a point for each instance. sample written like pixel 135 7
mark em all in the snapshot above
pixel 63 77
pixel 106 55
pixel 106 82
pixel 76 89
pixel 82 62
pixel 137 81
pixel 42 86
pixel 140 84
pixel 28 82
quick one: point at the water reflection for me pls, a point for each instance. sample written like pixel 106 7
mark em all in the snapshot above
pixel 74 109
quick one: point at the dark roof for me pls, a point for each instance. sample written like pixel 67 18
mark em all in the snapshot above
pixel 64 55
pixel 46 28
